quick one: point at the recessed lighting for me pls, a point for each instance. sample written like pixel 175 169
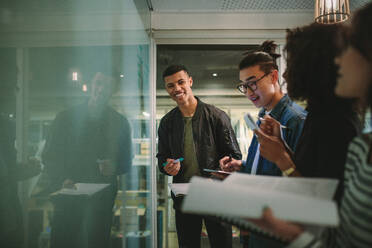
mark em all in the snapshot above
pixel 74 76
pixel 214 74
pixel 121 75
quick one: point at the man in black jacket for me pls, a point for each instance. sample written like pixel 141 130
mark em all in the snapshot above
pixel 201 134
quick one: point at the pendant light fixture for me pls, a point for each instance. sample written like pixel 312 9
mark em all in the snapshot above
pixel 331 11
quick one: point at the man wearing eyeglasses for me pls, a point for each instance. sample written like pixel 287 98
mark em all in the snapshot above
pixel 259 82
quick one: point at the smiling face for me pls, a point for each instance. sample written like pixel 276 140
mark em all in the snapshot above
pixel 267 87
pixel 354 75
pixel 178 86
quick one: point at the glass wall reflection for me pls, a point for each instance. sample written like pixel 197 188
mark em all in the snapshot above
pixel 75 124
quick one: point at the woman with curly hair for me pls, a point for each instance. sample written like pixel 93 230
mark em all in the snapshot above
pixel 354 82
pixel 331 122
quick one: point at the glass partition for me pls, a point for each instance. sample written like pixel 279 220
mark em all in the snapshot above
pixel 76 107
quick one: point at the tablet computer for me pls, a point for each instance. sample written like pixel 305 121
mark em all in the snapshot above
pixel 217 171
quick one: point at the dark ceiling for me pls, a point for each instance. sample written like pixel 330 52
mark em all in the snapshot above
pixel 202 62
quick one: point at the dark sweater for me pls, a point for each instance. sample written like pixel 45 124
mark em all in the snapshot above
pixel 321 150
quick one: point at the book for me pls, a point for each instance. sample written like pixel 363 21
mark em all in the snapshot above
pixel 302 200
pixel 320 188
pixel 82 189
pixel 179 189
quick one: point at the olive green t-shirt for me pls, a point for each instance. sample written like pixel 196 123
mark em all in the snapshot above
pixel 190 163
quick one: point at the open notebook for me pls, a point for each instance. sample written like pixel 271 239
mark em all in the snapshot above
pixel 179 189
pixel 82 189
pixel 302 200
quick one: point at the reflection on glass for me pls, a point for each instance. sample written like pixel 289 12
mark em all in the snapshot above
pixel 11 172
pixel 89 143
pixel 82 73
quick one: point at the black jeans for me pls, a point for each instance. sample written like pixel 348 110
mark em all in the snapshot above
pixel 189 228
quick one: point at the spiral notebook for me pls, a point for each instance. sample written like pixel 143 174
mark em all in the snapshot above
pixel 251 227
pixel 240 196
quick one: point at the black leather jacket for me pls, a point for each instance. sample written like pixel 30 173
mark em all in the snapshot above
pixel 213 137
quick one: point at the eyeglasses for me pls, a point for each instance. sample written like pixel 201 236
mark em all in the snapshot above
pixel 252 85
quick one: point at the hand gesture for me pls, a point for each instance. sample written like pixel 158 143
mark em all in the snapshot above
pixel 271 148
pixel 230 164
pixel 106 167
pixel 286 230
pixel 172 168
pixel 270 126
pixel 69 184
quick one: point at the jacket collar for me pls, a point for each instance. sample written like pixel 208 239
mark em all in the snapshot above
pixel 197 111
pixel 276 112
pixel 198 107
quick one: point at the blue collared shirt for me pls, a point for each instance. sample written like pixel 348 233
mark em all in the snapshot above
pixel 288 114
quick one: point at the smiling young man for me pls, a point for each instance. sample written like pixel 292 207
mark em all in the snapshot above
pixel 201 134
pixel 259 82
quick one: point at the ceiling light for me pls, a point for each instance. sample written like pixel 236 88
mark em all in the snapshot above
pixel 214 74
pixel 121 75
pixel 74 76
pixel 331 11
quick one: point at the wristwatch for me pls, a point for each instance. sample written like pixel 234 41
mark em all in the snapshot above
pixel 289 171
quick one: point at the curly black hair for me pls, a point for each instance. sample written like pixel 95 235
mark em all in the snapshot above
pixel 361 39
pixel 361 35
pixel 311 73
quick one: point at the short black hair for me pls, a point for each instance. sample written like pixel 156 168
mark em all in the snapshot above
pixel 264 56
pixel 172 69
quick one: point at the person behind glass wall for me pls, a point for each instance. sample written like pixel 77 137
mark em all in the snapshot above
pixel 201 134
pixel 11 172
pixel 354 82
pixel 89 143
pixel 260 83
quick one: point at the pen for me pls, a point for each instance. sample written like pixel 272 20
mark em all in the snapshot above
pixel 174 161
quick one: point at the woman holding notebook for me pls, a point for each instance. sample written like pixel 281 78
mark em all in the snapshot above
pixel 331 123
pixel 354 82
